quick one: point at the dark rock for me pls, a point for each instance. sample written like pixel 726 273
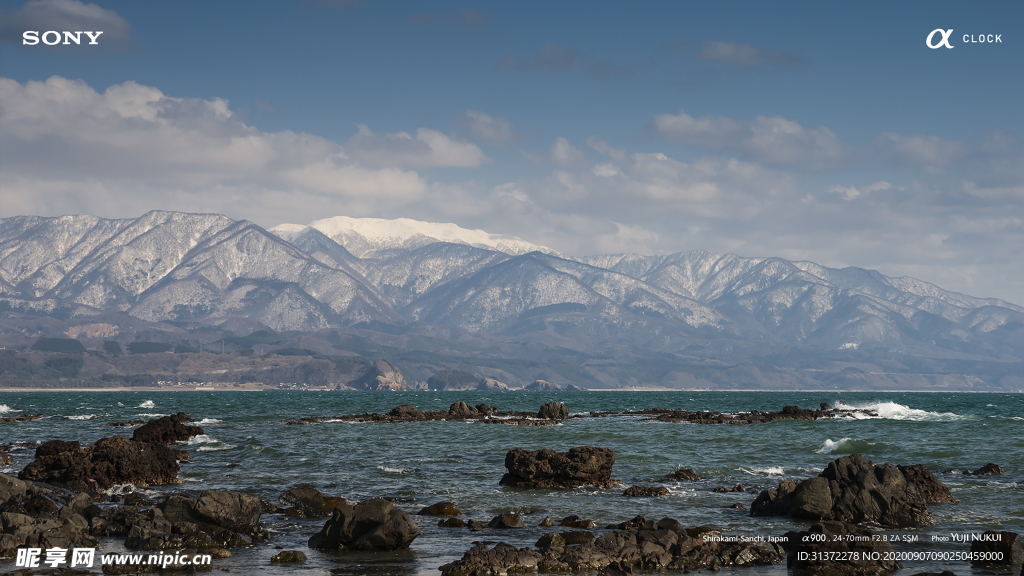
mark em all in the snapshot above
pixel 549 469
pixel 167 430
pixel 110 461
pixel 577 537
pixel 752 417
pixel 989 469
pixel 619 568
pixel 127 423
pixel 825 406
pixel 850 551
pixel 440 509
pixel 853 490
pixel 370 525
pixel 476 526
pixel 683 475
pixel 550 539
pixel 508 520
pixel 461 410
pixel 943 573
pixel 403 411
pixel 41 516
pixel 217 519
pixel 1004 545
pixel 664 545
pixel 553 411
pixel 547 522
pixel 646 491
pixel 311 502
pixel 289 556
pixel 451 523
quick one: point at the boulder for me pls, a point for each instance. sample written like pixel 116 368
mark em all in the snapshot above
pixel 370 525
pixel 461 410
pixel 550 539
pixel 404 411
pixel 507 520
pixel 41 516
pixel 289 557
pixel 853 490
pixel 549 469
pixel 110 461
pixel 683 475
pixel 645 491
pixel 989 469
pixel 1004 548
pixel 167 430
pixel 451 523
pixel 217 519
pixel 553 411
pixel 848 551
pixel 440 509
pixel 311 502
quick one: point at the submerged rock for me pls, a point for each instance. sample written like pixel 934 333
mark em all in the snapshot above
pixel 683 475
pixel 646 491
pixel 579 466
pixel 370 525
pixel 289 556
pixel 854 490
pixel 110 461
pixel 989 469
pixel 440 509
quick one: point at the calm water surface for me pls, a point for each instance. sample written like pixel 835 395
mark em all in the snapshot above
pixel 246 447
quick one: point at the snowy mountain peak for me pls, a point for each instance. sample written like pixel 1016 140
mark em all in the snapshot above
pixel 367 236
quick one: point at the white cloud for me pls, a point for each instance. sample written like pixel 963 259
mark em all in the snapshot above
pixel 427 148
pixel 771 140
pixel 851 192
pixel 736 54
pixel 494 131
pixel 565 154
pixel 930 154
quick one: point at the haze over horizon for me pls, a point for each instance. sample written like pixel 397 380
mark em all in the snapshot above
pixel 829 134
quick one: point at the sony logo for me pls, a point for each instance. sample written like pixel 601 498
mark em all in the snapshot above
pixel 53 37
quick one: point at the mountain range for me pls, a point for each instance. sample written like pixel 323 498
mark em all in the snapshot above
pixel 495 303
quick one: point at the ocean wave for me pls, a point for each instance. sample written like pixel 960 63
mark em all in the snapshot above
pixel 895 411
pixel 391 470
pixel 4 409
pixel 201 439
pixel 145 415
pixel 845 446
pixel 128 488
pixel 147 404
pixel 210 421
pixel 216 448
pixel 82 417
pixel 767 471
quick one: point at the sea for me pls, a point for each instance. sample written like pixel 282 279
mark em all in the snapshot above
pixel 248 447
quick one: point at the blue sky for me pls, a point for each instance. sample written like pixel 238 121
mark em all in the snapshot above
pixel 820 131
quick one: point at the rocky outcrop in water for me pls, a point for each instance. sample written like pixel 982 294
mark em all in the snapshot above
pixel 639 544
pixel 646 491
pixel 309 502
pixel 440 509
pixel 110 461
pixel 40 516
pixel 838 549
pixel 217 519
pixel 753 417
pixel 371 525
pixel 989 469
pixel 854 490
pixel 457 411
pixel 579 466
pixel 24 418
pixel 553 411
pixel 167 430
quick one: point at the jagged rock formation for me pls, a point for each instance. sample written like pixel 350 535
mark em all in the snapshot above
pixel 853 490
pixel 370 525
pixel 579 466
pixel 167 429
pixel 110 461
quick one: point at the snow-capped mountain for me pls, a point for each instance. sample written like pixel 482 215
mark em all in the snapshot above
pixel 369 237
pixel 428 278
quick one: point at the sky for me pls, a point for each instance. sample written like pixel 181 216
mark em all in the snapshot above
pixel 821 131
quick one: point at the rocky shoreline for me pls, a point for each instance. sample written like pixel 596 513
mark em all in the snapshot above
pixel 64 499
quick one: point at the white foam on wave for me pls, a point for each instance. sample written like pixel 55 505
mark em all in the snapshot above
pixel 895 411
pixel 829 446
pixel 391 470
pixel 768 471
pixel 216 448
pixel 210 421
pixel 201 439
pixel 4 409
pixel 844 446
pixel 147 404
pixel 145 415
pixel 82 417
